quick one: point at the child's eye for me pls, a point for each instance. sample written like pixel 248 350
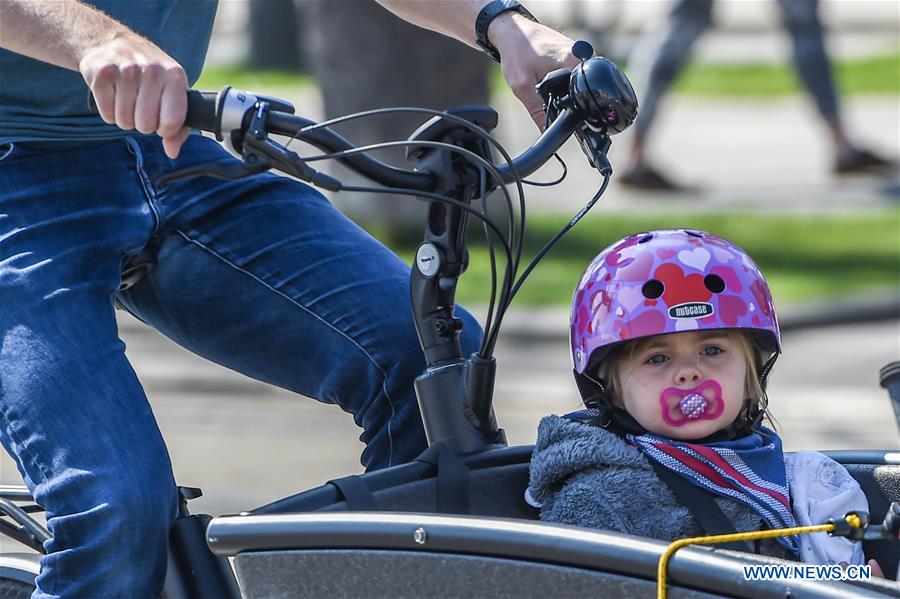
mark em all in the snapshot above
pixel 656 359
pixel 712 350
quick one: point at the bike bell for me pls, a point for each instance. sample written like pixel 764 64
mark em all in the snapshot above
pixel 601 92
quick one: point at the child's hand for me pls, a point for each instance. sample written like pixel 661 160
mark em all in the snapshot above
pixel 876 569
pixel 877 572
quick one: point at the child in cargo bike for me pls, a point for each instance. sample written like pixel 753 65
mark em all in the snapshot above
pixel 673 334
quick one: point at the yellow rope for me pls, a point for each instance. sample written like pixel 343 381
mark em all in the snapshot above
pixel 852 520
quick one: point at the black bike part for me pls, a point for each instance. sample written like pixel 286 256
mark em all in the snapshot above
pixel 553 87
pixel 202 110
pixel 28 531
pixel 283 123
pixel 443 256
pixel 15 492
pixel 256 148
pixel 15 589
pixel 197 571
pixel 891 522
pixel 528 162
pixel 595 145
pixel 404 487
pixel 19 534
pixel 325 139
pixel 226 171
pixel 889 378
pixel 437 128
pixel 443 394
pixel 546 146
pixel 482 372
pixel 603 95
pixel 411 555
pixel 356 493
pixel 452 479
pixel 186 494
pixel 445 389
pixel 452 484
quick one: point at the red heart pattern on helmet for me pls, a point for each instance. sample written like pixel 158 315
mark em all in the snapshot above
pixel 679 289
pixel 731 308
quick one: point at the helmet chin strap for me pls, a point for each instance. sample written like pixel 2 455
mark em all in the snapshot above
pixel 766 369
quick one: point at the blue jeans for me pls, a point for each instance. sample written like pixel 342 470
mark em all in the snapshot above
pixel 261 275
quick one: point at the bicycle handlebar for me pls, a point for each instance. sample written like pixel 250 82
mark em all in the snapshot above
pixel 328 140
pixel 593 101
pixel 230 111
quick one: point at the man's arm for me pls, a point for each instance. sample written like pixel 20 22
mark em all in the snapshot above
pixel 136 84
pixel 528 50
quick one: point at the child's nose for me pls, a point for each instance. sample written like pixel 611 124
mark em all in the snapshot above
pixel 687 373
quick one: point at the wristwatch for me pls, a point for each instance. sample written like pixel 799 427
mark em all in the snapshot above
pixel 487 14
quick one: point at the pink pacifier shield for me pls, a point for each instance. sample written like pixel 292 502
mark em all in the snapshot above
pixel 703 402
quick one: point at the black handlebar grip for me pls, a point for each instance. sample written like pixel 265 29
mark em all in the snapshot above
pixel 201 110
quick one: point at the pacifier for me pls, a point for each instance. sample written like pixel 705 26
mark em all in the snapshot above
pixel 703 402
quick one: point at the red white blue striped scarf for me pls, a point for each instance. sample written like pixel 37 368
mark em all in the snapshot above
pixel 750 470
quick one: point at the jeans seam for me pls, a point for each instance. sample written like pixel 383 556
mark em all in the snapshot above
pixel 146 184
pixel 317 317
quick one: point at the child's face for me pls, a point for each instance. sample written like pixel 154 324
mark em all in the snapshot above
pixel 684 385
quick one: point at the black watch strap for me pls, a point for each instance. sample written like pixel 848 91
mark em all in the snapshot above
pixel 487 14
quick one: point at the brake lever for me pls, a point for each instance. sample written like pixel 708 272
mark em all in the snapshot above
pixel 258 154
pixel 290 162
pixel 595 146
pixel 234 170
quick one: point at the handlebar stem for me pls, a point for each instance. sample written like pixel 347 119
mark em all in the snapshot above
pixel 453 410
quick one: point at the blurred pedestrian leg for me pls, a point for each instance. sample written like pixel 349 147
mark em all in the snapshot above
pixel 662 53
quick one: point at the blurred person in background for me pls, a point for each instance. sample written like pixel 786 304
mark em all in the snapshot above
pixel 687 20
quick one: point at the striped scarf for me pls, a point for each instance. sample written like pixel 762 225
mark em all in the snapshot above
pixel 750 470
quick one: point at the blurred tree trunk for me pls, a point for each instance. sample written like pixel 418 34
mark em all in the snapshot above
pixel 364 57
pixel 274 35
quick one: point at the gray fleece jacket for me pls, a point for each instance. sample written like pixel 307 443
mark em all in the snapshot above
pixel 587 476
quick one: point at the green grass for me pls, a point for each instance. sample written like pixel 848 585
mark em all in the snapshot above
pixel 241 77
pixel 804 258
pixel 875 75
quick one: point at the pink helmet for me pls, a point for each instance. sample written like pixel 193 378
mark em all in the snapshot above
pixel 666 282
